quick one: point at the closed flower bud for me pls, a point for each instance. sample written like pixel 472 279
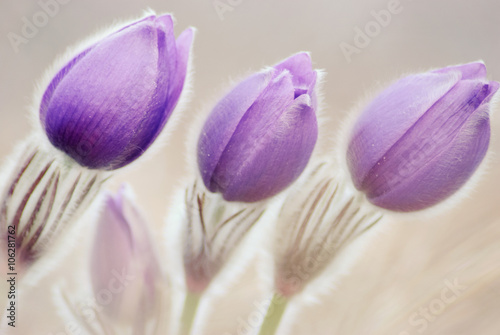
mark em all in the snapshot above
pixel 107 105
pixel 125 270
pixel 258 139
pixel 422 138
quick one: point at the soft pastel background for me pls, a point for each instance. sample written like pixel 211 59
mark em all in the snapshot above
pixel 408 267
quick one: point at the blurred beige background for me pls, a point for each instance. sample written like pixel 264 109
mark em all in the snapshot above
pixel 408 266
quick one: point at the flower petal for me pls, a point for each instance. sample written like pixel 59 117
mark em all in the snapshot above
pixel 162 103
pixel 275 144
pixel 183 42
pixel 96 107
pixel 476 70
pixel 300 67
pixel 223 122
pixel 425 142
pixel 446 172
pixel 112 250
pixel 390 115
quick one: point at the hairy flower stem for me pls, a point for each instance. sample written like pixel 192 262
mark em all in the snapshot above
pixel 274 314
pixel 191 303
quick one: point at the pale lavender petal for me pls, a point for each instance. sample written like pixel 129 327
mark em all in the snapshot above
pixel 389 116
pixel 436 153
pixel 493 87
pixel 311 91
pixel 257 141
pixel 124 260
pixel 475 70
pixel 249 141
pixel 446 172
pixel 428 138
pixel 300 67
pixel 223 121
pixel 143 246
pixel 278 156
pixel 112 251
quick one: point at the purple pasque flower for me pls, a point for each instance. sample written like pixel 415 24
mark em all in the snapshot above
pixel 422 138
pixel 110 102
pixel 258 139
pixel 125 272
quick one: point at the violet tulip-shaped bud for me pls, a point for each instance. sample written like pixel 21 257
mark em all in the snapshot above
pixel 107 105
pixel 422 138
pixel 258 139
pixel 125 271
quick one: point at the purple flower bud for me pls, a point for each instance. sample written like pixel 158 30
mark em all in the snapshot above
pixel 422 138
pixel 125 269
pixel 110 102
pixel 260 136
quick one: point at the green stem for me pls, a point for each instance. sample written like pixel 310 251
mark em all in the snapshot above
pixel 191 303
pixel 274 314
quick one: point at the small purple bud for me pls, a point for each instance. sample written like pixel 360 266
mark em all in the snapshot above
pixel 258 139
pixel 110 102
pixel 422 138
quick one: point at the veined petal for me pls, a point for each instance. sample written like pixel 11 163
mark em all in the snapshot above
pixel 87 108
pixel 44 105
pixel 256 145
pixel 161 104
pixel 446 172
pixel 107 106
pixel 223 122
pixel 431 135
pixel 390 115
pixel 62 73
pixel 278 156
pixel 249 135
